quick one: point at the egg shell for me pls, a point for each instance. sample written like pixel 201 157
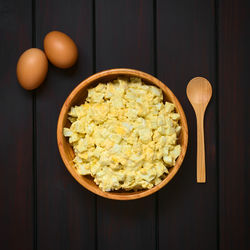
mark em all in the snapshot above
pixel 60 49
pixel 32 68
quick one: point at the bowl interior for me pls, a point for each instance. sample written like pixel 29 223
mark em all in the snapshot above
pixel 78 97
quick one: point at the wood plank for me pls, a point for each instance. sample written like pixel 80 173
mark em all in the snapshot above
pixel 66 211
pixel 234 54
pixel 185 49
pixel 124 38
pixel 16 179
pixel 121 27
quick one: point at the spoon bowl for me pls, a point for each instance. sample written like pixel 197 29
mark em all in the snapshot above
pixel 199 92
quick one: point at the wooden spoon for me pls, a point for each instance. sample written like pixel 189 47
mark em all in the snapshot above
pixel 199 92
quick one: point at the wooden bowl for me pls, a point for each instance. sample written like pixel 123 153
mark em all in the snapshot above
pixel 78 96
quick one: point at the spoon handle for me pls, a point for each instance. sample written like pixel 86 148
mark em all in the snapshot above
pixel 201 165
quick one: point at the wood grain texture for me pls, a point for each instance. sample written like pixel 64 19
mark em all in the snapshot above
pixel 186 49
pixel 125 35
pixel 234 54
pixel 124 38
pixel 16 194
pixel 65 211
pixel 187 212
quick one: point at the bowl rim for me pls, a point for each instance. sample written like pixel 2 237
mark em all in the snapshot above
pixel 67 105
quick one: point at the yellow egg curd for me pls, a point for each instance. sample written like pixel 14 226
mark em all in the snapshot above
pixel 124 136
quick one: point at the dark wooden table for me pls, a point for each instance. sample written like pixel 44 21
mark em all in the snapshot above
pixel 43 207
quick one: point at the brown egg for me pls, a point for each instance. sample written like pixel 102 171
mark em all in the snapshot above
pixel 60 49
pixel 32 68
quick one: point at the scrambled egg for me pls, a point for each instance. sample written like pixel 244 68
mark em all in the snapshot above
pixel 124 136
